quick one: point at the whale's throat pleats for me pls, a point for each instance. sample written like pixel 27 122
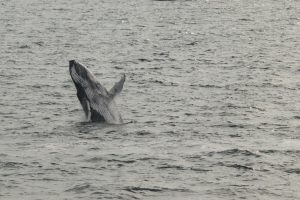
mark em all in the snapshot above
pixel 96 116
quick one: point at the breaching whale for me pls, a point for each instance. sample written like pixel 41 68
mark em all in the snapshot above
pixel 98 103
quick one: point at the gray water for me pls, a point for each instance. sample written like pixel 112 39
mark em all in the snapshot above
pixel 211 99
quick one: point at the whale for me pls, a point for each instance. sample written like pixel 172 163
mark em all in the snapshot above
pixel 97 102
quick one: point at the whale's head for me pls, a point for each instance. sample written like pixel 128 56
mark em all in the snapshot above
pixel 78 71
pixel 80 74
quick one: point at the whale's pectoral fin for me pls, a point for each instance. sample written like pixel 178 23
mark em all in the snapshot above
pixel 84 102
pixel 117 88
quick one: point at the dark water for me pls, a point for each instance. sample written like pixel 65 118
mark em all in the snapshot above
pixel 212 95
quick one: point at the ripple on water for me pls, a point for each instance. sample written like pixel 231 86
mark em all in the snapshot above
pixel 234 152
pixel 81 188
pixel 11 165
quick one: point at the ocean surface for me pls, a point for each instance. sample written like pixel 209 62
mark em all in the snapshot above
pixel 211 101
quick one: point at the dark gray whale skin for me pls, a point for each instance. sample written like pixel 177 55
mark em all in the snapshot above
pixel 98 103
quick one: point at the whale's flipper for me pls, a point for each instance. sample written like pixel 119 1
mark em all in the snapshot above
pixel 117 88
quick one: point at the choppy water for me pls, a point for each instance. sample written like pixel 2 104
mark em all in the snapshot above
pixel 212 91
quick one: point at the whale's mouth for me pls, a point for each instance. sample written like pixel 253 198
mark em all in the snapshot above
pixel 72 63
pixel 77 66
pixel 72 67
pixel 78 70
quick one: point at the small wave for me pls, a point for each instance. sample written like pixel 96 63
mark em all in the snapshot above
pixel 230 105
pixel 293 171
pixel 143 133
pixel 164 0
pixel 64 171
pixel 165 54
pixel 234 135
pixel 94 159
pixel 118 68
pixel 135 189
pixel 295 153
pixel 24 47
pixel 192 43
pixel 199 169
pixel 144 60
pixel 177 167
pixel 94 148
pixel 40 43
pixel 147 158
pixel 60 9
pixel 163 83
pixel 154 189
pixel 79 188
pixel 230 125
pixel 235 152
pixel 238 166
pixel 205 86
pixel 49 179
pixel 12 165
pixel 245 19
pixel 269 151
pixel 121 161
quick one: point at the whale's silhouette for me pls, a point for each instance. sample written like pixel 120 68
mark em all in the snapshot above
pixel 98 103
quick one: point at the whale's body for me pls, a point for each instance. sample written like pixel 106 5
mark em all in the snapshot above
pixel 98 103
